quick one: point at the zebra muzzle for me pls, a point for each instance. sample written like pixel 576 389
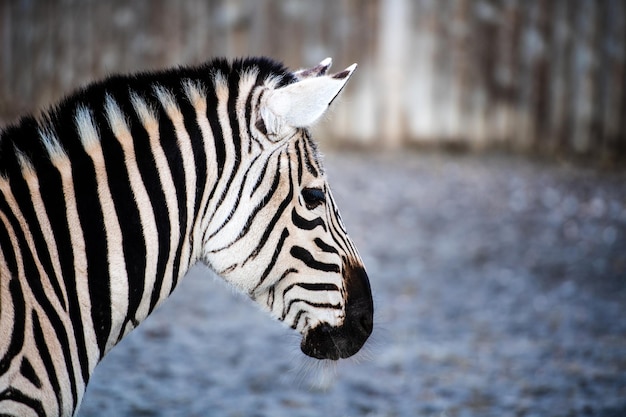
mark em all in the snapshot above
pixel 336 342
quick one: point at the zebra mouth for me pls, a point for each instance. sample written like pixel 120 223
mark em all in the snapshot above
pixel 338 342
pixel 327 342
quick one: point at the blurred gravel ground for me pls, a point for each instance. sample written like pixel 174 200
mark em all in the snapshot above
pixel 500 288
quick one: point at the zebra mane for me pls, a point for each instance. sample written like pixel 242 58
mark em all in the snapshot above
pixel 34 138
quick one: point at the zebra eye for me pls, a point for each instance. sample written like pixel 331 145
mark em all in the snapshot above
pixel 313 197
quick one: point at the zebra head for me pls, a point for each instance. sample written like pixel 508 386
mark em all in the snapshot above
pixel 282 240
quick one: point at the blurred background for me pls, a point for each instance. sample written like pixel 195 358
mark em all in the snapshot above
pixel 544 75
pixel 498 264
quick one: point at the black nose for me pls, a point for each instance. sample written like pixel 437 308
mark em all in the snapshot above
pixel 335 342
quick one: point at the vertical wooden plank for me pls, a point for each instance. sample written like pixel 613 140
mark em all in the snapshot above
pixel 392 49
pixel 582 140
pixel 620 146
pixel 160 27
pixel 441 92
pixel 6 58
pixel 273 33
pixel 510 78
pixel 461 21
pixel 157 33
pixel 49 92
pixel 37 56
pixel 419 74
pixel 141 47
pixel 486 55
pixel 564 122
pixel 528 49
pixel 502 75
pixel 64 49
pixel 99 38
pixel 199 31
pixel 258 27
pixel 21 44
pixel 540 68
pixel 357 121
pixel 556 81
pixel 368 27
pixel 599 73
pixel 82 41
pixel 185 29
pixel 343 29
pixel 613 75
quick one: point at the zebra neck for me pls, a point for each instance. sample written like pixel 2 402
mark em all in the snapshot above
pixel 151 227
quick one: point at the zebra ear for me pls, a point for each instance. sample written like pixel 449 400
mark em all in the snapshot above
pixel 302 103
pixel 316 71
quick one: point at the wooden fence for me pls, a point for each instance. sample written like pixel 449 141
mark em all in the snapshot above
pixel 540 75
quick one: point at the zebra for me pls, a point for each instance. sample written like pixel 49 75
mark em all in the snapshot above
pixel 110 196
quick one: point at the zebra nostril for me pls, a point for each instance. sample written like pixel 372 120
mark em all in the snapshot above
pixel 366 323
pixel 359 305
pixel 359 323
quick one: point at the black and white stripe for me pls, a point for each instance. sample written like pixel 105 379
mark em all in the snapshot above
pixel 107 199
